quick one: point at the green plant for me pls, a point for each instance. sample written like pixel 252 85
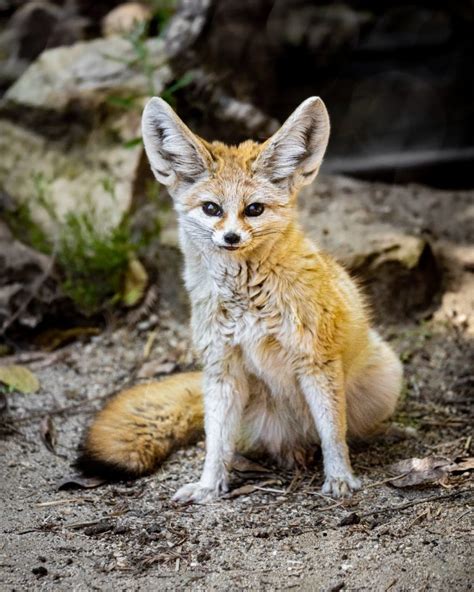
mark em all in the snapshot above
pixel 141 60
pixel 168 94
pixel 162 12
pixel 24 227
pixel 92 263
pixel 137 38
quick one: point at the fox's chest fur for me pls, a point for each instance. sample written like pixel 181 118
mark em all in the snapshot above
pixel 241 305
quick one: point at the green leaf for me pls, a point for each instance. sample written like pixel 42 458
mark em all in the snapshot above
pixel 132 143
pixel 19 378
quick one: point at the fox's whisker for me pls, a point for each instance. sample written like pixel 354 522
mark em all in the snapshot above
pixel 198 230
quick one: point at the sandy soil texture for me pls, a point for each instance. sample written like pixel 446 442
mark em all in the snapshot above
pixel 283 534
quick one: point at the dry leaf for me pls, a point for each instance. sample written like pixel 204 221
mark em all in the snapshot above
pixel 19 378
pixel 461 465
pixel 136 281
pixel 77 481
pixel 54 338
pixel 243 490
pixel 149 344
pixel 241 464
pixel 423 471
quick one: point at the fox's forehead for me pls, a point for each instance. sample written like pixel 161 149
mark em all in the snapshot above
pixel 232 179
pixel 239 157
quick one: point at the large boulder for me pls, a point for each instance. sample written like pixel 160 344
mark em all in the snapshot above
pixel 87 75
pixel 70 127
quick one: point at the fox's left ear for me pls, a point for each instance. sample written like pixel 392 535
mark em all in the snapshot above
pixel 295 152
pixel 178 158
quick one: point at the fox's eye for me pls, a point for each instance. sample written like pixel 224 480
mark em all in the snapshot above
pixel 211 209
pixel 254 209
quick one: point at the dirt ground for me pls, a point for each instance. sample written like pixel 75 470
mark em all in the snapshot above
pixel 283 535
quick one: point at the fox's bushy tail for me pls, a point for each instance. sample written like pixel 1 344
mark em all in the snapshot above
pixel 142 425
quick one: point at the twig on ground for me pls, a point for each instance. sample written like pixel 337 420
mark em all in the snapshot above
pixel 61 502
pixel 30 357
pixel 406 505
pixel 417 518
pixel 467 445
pixel 326 497
pixel 76 407
pixel 331 507
pixel 336 504
pixel 51 359
pixel 313 478
pixel 149 344
pixel 383 481
pixel 58 411
pixel 270 490
pixel 76 525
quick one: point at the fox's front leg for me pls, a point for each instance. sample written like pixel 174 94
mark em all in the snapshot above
pixel 324 393
pixel 225 395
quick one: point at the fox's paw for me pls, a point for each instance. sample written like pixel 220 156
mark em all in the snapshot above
pixel 195 493
pixel 341 485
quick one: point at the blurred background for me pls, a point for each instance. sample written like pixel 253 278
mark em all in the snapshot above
pixel 76 191
pixel 91 297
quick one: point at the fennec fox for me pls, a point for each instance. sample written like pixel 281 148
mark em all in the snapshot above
pixel 289 357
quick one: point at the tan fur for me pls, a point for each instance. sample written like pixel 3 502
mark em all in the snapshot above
pixel 283 331
pixel 140 426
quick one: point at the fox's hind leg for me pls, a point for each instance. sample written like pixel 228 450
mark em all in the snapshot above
pixel 373 391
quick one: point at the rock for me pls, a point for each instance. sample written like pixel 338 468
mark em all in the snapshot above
pixel 87 76
pixel 186 26
pixel 124 18
pixel 207 105
pixel 341 216
pixel 82 107
pixel 98 173
pixel 457 302
pixel 33 27
pixel 27 286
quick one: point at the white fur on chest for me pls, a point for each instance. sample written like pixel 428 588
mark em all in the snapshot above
pixel 237 306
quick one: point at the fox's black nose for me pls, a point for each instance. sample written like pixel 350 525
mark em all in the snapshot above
pixel 231 238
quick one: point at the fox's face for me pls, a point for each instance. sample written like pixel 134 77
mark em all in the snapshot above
pixel 233 199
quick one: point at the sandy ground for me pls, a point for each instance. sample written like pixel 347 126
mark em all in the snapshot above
pixel 284 535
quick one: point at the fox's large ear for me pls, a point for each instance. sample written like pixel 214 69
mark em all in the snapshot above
pixel 177 157
pixel 295 152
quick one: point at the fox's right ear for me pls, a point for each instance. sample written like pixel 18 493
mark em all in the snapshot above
pixel 294 153
pixel 177 157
